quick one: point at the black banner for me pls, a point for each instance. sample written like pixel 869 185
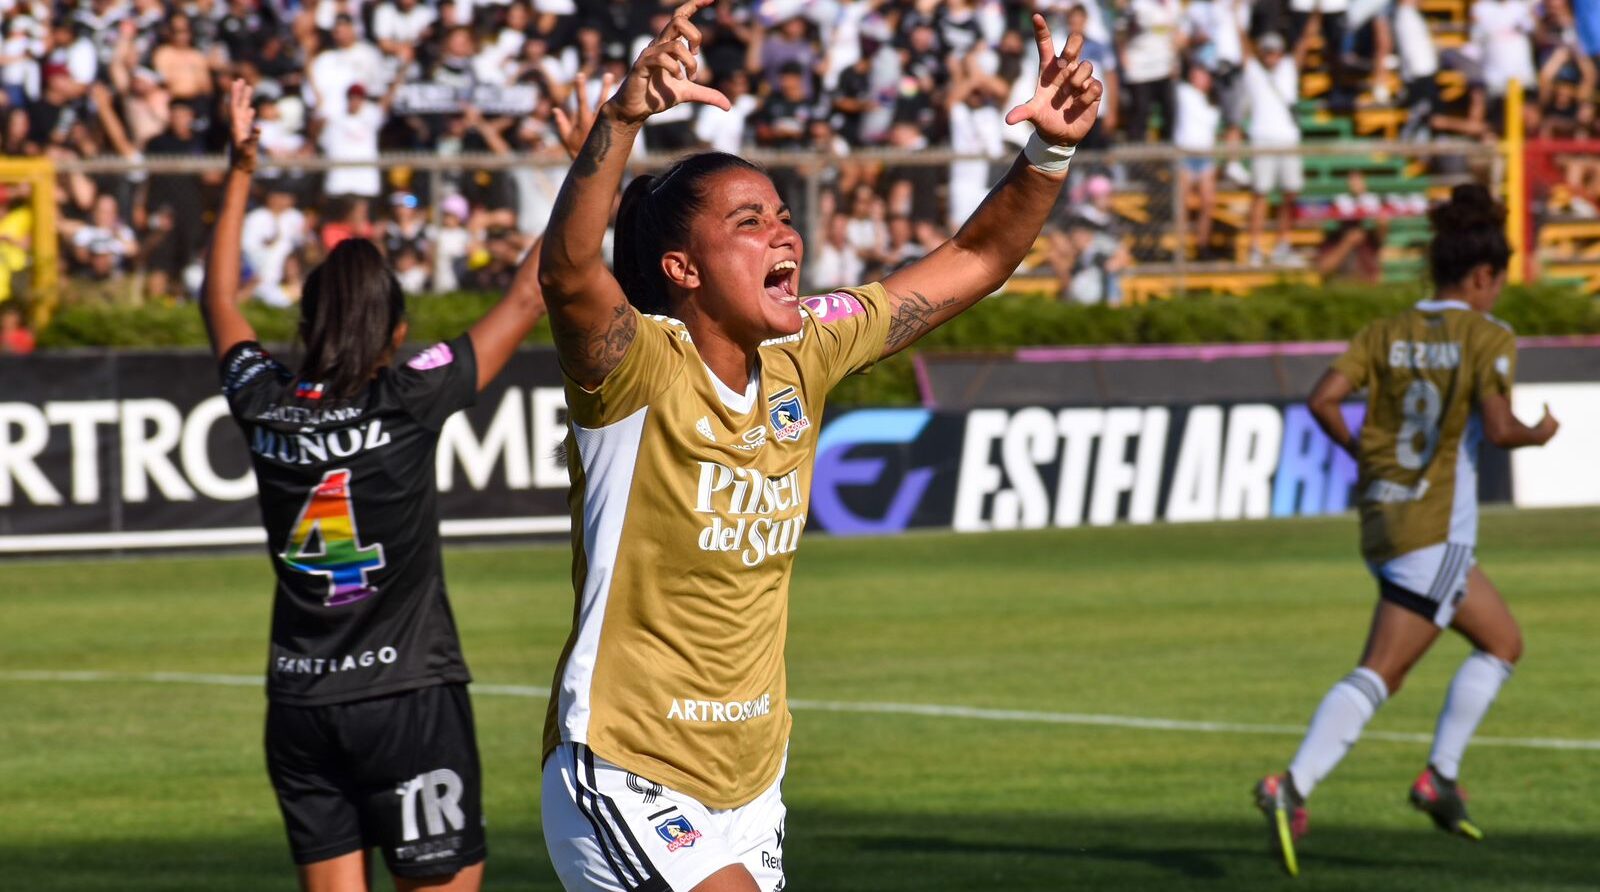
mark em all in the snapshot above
pixel 137 449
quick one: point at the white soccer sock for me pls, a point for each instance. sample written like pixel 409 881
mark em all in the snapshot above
pixel 1471 692
pixel 1336 726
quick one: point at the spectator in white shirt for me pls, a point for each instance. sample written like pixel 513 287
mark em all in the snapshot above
pixel 505 53
pixel 724 131
pixel 1419 67
pixel 866 230
pixel 350 61
pixel 976 128
pixel 452 245
pixel 399 27
pixel 411 270
pixel 1150 63
pixel 326 13
pixel 272 234
pixel 1211 33
pixel 1501 32
pixel 837 263
pixel 19 63
pixel 106 245
pixel 350 133
pixel 74 56
pixel 1272 83
pixel 1196 131
pixel 401 24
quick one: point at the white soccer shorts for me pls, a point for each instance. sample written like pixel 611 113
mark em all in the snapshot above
pixel 611 831
pixel 1430 581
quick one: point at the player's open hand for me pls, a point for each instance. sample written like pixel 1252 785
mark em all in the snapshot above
pixel 663 75
pixel 574 129
pixel 243 133
pixel 1067 99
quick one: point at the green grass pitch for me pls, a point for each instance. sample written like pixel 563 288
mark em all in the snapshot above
pixel 135 785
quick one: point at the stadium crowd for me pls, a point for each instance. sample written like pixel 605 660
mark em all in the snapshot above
pixel 350 79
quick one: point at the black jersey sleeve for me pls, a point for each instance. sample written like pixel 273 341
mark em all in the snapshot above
pixel 248 374
pixel 438 382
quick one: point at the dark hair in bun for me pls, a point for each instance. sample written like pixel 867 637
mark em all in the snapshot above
pixel 1468 230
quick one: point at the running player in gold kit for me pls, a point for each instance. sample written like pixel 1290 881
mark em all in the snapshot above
pixel 697 375
pixel 1438 379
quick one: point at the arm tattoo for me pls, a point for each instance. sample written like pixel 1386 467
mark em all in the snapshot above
pixel 596 352
pixel 914 316
pixel 594 151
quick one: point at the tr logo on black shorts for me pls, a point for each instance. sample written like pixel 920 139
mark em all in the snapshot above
pixel 400 773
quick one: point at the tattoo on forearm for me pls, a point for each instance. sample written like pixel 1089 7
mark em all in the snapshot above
pixel 914 317
pixel 594 151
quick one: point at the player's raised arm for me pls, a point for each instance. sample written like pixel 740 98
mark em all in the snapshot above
pixel 589 313
pixel 989 246
pixel 220 295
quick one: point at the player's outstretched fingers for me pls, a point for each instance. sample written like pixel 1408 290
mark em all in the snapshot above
pixel 1078 80
pixel 678 51
pixel 1041 35
pixel 1074 48
pixel 681 26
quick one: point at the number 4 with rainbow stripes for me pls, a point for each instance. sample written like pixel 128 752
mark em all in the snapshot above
pixel 325 542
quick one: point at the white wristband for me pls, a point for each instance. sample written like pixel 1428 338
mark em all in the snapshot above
pixel 1046 157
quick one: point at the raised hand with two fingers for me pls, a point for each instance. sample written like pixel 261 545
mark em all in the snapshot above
pixel 244 135
pixel 574 128
pixel 1066 100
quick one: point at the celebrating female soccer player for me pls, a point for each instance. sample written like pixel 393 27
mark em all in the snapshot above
pixel 369 730
pixel 1438 380
pixel 697 377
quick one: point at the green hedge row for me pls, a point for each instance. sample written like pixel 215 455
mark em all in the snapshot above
pixel 1278 313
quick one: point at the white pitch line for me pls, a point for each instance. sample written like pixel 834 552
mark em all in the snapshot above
pixel 929 710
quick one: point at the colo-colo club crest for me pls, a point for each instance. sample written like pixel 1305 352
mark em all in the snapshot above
pixel 788 416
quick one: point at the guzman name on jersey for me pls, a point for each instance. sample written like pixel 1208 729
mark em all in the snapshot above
pixel 1424 355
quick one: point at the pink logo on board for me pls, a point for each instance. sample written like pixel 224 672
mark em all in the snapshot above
pixel 434 357
pixel 833 307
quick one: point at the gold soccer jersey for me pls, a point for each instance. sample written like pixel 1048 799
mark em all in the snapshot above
pixel 688 501
pixel 1425 370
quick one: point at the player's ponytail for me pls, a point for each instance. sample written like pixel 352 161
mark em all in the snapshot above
pixel 654 218
pixel 349 311
pixel 1468 230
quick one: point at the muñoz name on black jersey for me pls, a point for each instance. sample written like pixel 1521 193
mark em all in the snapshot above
pixel 349 501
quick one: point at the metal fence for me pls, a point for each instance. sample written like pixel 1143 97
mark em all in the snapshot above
pixel 1138 210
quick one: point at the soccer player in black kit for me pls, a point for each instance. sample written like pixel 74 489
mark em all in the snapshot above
pixel 369 732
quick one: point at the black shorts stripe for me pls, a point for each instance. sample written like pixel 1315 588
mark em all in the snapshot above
pixel 1410 600
pixel 639 866
pixel 638 850
pixel 580 799
pixel 668 810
